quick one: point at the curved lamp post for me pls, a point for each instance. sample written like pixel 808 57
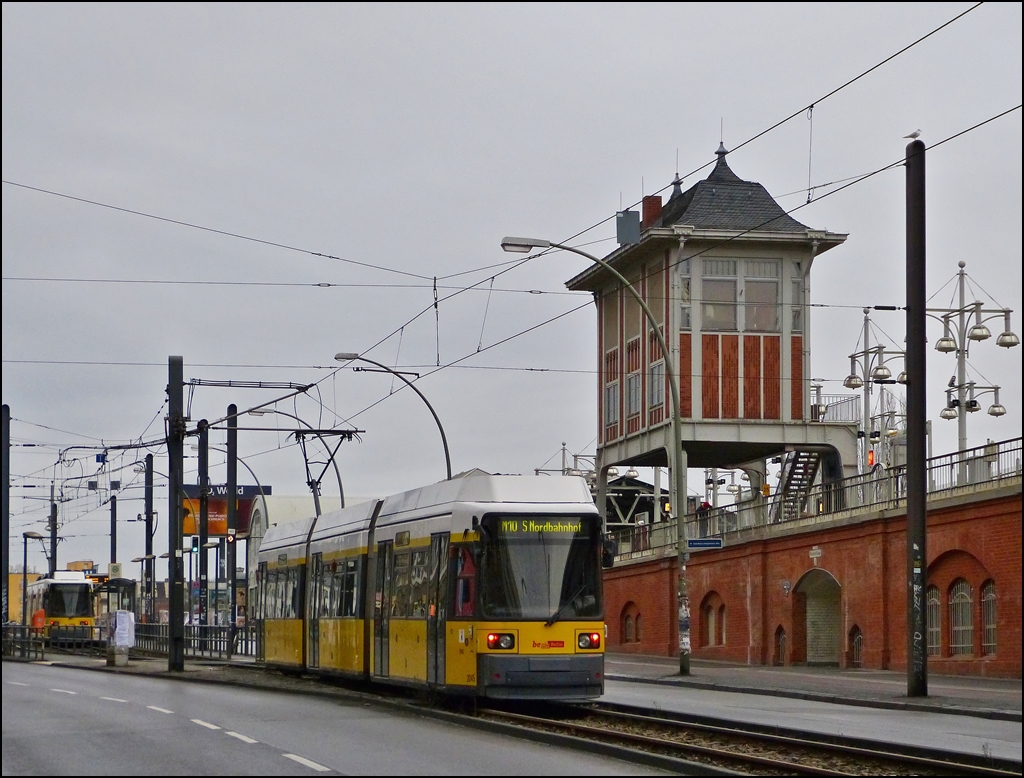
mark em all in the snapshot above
pixel 25 538
pixel 348 356
pixel 526 245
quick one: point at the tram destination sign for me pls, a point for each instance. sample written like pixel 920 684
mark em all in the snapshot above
pixel 704 543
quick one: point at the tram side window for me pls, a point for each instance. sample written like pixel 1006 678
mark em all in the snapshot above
pixel 465 582
pixel 400 600
pixel 333 588
pixel 344 589
pixel 420 579
pixel 295 583
pixel 274 594
pixel 261 591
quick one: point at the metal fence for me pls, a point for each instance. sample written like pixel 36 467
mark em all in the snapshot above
pixel 20 643
pixel 150 640
pixel 201 642
pixel 843 408
pixel 974 470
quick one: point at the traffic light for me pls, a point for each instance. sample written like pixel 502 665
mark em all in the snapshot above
pixel 230 539
pixel 195 544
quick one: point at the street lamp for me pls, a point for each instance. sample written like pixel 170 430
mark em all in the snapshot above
pixel 868 367
pixel 525 246
pixel 958 332
pixel 349 356
pixel 25 538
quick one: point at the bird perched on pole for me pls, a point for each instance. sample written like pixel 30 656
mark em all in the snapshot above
pixel 914 135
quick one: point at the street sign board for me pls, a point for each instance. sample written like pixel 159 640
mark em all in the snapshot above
pixel 704 543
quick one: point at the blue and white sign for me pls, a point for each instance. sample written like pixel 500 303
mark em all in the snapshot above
pixel 704 543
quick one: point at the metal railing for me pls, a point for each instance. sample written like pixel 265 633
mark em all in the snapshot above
pixel 974 470
pixel 19 642
pixel 843 408
pixel 214 642
pixel 201 642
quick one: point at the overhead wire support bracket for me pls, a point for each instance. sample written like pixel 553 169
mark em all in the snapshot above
pixel 251 384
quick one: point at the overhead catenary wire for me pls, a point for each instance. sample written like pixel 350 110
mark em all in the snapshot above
pixel 288 247
pixel 859 178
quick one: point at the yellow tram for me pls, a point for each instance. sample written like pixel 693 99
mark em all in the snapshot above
pixel 62 601
pixel 484 585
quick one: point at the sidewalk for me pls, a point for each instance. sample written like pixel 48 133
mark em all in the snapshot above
pixel 995 698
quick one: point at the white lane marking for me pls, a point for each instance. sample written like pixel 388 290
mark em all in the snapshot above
pixel 62 691
pixel 206 724
pixel 159 710
pixel 241 737
pixel 15 683
pixel 113 699
pixel 313 765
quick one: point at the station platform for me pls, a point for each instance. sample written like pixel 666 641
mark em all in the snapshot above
pixel 995 698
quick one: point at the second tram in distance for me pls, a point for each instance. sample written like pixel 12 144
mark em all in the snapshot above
pixel 484 585
pixel 61 601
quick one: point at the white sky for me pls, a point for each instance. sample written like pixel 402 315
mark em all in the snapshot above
pixel 412 138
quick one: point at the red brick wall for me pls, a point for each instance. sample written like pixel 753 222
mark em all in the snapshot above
pixel 685 376
pixel 772 377
pixel 978 540
pixel 652 588
pixel 797 374
pixel 751 377
pixel 730 376
pixel 709 378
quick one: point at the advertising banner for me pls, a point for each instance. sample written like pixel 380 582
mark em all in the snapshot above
pixel 217 509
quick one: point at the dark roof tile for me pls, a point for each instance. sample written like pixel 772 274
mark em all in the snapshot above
pixel 724 201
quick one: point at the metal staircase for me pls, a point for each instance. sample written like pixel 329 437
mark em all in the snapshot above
pixel 799 470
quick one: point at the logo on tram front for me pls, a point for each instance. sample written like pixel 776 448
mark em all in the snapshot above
pixel 549 644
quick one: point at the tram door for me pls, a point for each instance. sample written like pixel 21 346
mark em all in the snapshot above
pixel 437 607
pixel 382 608
pixel 316 586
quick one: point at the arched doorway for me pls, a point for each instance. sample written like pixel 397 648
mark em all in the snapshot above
pixel 818 592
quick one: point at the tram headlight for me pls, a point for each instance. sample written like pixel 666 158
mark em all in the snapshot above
pixel 502 641
pixel 589 640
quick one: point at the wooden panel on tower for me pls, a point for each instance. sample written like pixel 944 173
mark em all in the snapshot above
pixel 752 377
pixel 772 367
pixel 685 375
pixel 709 376
pixel 797 359
pixel 730 376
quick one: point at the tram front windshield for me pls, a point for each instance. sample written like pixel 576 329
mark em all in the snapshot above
pixel 540 567
pixel 69 601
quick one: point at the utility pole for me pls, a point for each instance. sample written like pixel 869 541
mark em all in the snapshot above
pixel 917 476
pixel 53 532
pixel 5 476
pixel 175 563
pixel 204 516
pixel 113 528
pixel 232 495
pixel 148 565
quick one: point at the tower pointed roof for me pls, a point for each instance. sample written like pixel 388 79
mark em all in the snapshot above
pixel 724 201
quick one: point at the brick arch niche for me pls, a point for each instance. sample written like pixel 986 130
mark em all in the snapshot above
pixel 711 625
pixel 630 624
pixel 958 575
pixel 817 625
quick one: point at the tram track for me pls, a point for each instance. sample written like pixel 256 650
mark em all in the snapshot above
pixel 730 747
